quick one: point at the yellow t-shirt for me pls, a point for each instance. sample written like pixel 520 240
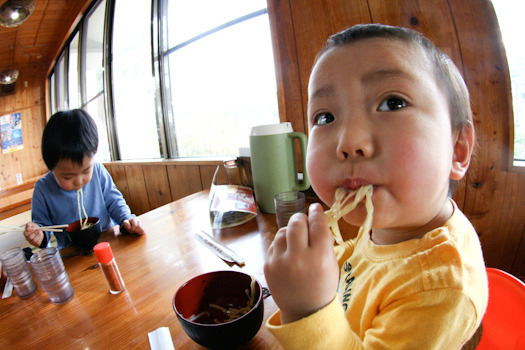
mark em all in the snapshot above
pixel 427 293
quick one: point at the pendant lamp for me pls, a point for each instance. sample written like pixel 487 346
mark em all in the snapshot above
pixel 14 12
pixel 8 76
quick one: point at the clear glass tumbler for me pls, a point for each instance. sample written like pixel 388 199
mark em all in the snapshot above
pixel 287 204
pixel 18 271
pixel 52 275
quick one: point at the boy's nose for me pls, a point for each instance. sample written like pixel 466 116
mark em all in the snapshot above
pixel 355 141
pixel 77 182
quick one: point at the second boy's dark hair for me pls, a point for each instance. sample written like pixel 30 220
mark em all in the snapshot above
pixel 69 135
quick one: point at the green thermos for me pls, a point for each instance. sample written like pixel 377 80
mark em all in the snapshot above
pixel 274 162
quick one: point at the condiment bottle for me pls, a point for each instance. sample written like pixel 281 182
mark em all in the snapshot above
pixel 109 267
pixel 232 171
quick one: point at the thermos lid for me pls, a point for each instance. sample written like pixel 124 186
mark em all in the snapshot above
pixel 103 252
pixel 271 129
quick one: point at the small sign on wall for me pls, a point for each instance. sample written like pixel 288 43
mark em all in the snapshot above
pixel 11 127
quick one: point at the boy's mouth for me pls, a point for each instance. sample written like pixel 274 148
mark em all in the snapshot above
pixel 354 183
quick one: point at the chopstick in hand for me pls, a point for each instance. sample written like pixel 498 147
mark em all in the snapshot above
pixel 52 228
pixel 49 228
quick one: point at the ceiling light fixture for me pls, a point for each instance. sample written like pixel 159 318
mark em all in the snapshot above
pixel 8 76
pixel 14 12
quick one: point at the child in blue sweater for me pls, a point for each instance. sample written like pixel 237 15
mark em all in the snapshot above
pixel 69 144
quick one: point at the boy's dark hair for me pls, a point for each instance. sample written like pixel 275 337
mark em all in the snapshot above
pixel 69 135
pixel 447 74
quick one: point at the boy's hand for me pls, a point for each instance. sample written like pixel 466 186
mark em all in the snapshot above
pixel 32 235
pixel 133 225
pixel 301 268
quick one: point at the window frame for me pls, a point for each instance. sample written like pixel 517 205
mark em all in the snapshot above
pixel 160 54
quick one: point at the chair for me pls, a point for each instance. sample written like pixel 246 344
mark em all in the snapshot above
pixel 504 320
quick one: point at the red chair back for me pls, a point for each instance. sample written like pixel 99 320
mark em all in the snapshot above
pixel 504 321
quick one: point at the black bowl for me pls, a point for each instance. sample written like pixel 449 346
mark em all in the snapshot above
pixel 226 289
pixel 87 238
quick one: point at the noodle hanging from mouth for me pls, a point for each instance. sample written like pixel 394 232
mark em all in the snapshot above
pixel 343 206
pixel 80 201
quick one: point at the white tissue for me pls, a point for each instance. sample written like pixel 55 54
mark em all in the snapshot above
pixel 160 339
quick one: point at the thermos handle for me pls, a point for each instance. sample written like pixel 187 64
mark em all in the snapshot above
pixel 305 184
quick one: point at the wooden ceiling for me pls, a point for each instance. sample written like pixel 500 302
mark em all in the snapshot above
pixel 40 37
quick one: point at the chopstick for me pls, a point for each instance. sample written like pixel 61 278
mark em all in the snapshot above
pixel 52 228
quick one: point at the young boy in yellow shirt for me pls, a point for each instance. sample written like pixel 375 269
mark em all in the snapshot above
pixel 386 108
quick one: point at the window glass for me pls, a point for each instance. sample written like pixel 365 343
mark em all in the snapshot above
pixel 133 81
pixel 94 53
pixel 94 77
pixel 52 93
pixel 509 14
pixel 188 19
pixel 73 83
pixel 61 87
pixel 95 109
pixel 222 84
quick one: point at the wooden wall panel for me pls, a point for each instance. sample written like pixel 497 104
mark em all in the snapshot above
pixel 138 193
pixel 291 106
pixel 494 198
pixel 28 101
pixel 157 185
pixel 184 180
pixel 207 172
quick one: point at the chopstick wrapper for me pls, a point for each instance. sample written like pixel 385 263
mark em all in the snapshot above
pixel 160 339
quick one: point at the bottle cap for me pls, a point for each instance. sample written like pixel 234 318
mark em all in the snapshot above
pixel 103 252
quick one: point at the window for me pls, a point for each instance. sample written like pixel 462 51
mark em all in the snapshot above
pixel 221 75
pixel 61 82
pixel 52 93
pixel 188 82
pixel 73 69
pixel 509 14
pixel 93 74
pixel 134 90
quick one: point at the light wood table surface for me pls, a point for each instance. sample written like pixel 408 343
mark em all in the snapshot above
pixel 153 267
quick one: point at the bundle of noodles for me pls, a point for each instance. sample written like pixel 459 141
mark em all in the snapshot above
pixel 84 224
pixel 343 205
pixel 231 313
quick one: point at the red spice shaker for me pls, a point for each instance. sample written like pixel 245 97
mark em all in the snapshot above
pixel 109 267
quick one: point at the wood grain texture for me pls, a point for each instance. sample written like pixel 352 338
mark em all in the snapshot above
pixel 153 267
pixel 157 186
pixel 184 180
pixel 138 193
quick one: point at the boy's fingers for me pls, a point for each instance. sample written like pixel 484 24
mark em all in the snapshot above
pixel 297 232
pixel 319 230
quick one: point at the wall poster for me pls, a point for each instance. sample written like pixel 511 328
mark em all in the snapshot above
pixel 11 127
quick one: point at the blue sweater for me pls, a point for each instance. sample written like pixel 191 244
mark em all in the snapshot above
pixel 51 205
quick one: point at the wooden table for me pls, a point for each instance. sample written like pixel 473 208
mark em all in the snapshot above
pixel 153 267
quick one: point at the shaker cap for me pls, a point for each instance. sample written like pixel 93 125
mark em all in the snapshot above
pixel 103 252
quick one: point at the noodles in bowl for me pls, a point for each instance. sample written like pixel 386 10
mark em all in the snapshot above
pixel 221 309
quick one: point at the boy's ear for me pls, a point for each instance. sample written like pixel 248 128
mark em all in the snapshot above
pixel 462 152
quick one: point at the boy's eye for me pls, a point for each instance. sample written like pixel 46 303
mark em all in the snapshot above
pixel 392 104
pixel 323 118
